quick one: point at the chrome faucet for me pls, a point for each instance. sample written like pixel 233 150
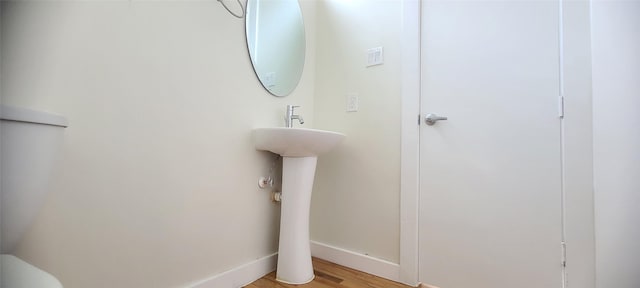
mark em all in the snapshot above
pixel 288 118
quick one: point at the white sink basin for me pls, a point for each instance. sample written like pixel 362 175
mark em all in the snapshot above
pixel 295 142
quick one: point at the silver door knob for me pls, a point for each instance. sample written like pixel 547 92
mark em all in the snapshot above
pixel 431 119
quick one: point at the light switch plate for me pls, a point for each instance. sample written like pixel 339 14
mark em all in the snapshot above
pixel 352 102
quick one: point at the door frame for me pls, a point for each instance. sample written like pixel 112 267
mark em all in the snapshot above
pixel 410 142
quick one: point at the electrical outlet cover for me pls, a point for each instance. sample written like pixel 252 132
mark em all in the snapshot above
pixel 375 56
pixel 352 102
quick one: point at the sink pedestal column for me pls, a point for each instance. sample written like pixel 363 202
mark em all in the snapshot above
pixel 294 255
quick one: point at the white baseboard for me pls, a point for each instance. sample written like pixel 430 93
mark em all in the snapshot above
pixel 240 276
pixel 252 271
pixel 422 285
pixel 364 263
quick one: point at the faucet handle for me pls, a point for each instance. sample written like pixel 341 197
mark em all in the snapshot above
pixel 291 107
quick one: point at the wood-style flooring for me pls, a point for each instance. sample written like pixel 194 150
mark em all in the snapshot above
pixel 330 275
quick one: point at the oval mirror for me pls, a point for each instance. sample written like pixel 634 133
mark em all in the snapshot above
pixel 275 38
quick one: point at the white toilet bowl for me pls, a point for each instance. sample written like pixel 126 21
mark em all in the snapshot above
pixel 29 142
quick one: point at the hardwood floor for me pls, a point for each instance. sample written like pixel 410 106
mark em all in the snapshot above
pixel 330 275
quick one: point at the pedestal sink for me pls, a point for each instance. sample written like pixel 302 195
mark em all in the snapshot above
pixel 299 148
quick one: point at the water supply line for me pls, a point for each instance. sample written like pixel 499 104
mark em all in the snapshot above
pixel 242 8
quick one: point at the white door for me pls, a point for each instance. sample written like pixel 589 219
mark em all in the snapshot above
pixel 490 187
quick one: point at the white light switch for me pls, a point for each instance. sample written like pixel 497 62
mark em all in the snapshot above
pixel 352 102
pixel 375 56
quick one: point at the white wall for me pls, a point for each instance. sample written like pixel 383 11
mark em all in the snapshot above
pixel 157 187
pixel 356 198
pixel 616 141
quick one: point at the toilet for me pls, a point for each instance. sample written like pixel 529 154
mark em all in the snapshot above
pixel 29 144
